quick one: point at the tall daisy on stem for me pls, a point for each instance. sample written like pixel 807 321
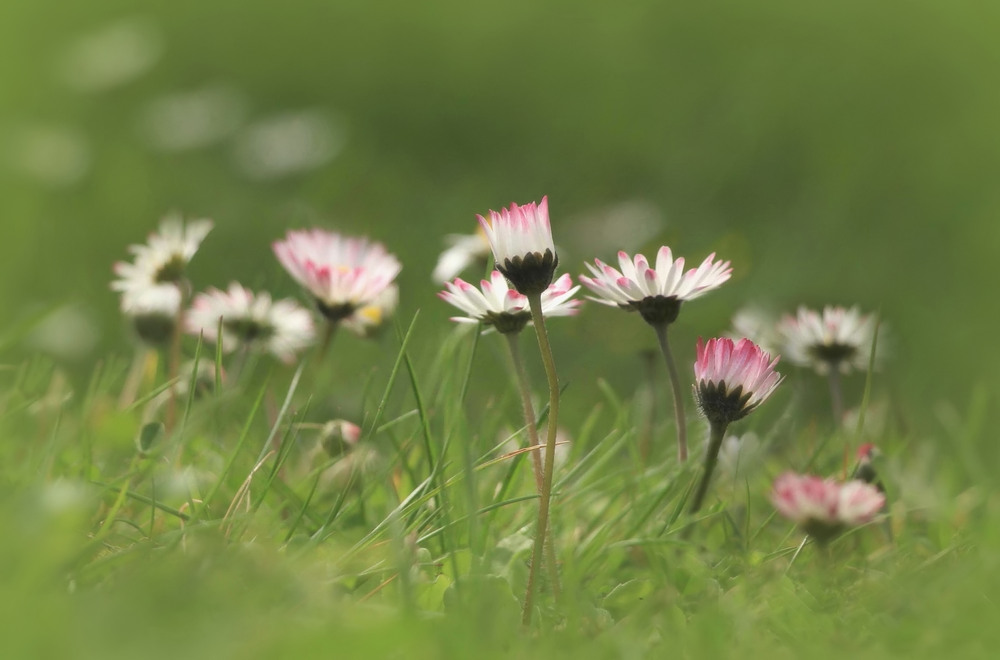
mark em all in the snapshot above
pixel 521 240
pixel 731 380
pixel 657 295
pixel 498 307
pixel 343 274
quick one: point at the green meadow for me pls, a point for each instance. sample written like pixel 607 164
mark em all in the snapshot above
pixel 836 153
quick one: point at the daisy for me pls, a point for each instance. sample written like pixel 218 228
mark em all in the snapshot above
pixel 463 251
pixel 657 295
pixel 836 339
pixel 832 342
pixel 164 256
pixel 282 327
pixel 521 240
pixel 342 273
pixel 502 308
pixel 823 508
pixel 732 379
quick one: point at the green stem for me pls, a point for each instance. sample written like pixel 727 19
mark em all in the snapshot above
pixel 718 431
pixel 535 302
pixel 836 397
pixel 174 361
pixel 531 423
pixel 675 385
pixel 526 408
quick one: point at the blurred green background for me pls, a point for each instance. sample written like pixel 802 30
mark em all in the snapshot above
pixel 840 152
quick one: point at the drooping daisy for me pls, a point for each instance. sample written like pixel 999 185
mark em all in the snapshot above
pixel 463 251
pixel 657 295
pixel 164 256
pixel 497 305
pixel 731 380
pixel 280 327
pixel 823 508
pixel 369 321
pixel 836 339
pixel 521 240
pixel 342 273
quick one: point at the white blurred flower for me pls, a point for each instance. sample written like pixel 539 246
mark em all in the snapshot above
pixel 836 338
pixel 463 251
pixel 56 156
pixel 192 119
pixel 280 327
pixel 164 256
pixel 112 55
pixel 68 332
pixel 288 144
pixel 756 324
pixel 741 456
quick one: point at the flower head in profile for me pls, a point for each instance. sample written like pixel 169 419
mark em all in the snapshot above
pixel 463 251
pixel 657 293
pixel 732 378
pixel 823 508
pixel 496 305
pixel 163 258
pixel 280 327
pixel 153 310
pixel 342 273
pixel 521 240
pixel 369 321
pixel 835 339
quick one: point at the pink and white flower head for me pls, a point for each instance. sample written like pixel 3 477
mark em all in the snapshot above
pixel 501 307
pixel 280 327
pixel 463 251
pixel 836 338
pixel 521 240
pixel 657 293
pixel 732 378
pixel 163 258
pixel 368 321
pixel 823 507
pixel 342 273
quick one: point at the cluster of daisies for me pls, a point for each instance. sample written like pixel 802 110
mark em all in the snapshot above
pixel 350 281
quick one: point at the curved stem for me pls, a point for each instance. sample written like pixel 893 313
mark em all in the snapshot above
pixel 718 431
pixel 675 385
pixel 536 459
pixel 535 302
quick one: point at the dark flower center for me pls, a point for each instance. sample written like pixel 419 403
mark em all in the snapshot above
pixel 154 329
pixel 719 405
pixel 335 313
pixel 834 353
pixel 171 271
pixel 248 330
pixel 532 273
pixel 655 310
pixel 505 323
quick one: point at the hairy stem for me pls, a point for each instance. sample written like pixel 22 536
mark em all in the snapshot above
pixel 675 386
pixel 718 431
pixel 531 423
pixel 535 302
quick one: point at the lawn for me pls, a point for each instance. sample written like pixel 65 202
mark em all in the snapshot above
pixel 836 154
